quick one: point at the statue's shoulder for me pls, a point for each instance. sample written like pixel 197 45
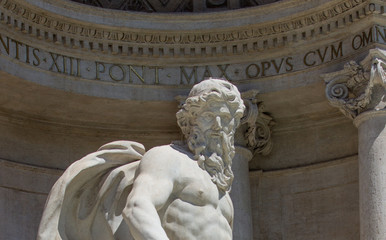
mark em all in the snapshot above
pixel 166 155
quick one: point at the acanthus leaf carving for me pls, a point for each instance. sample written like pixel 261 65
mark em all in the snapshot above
pixel 258 135
pixel 359 87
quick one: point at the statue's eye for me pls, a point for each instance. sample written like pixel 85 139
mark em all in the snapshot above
pixel 208 116
pixel 226 119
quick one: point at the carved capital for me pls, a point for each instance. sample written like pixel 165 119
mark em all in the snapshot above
pixel 258 132
pixel 359 87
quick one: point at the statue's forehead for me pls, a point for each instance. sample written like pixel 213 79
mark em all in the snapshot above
pixel 216 107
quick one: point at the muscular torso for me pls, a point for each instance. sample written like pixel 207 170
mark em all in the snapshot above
pixel 196 210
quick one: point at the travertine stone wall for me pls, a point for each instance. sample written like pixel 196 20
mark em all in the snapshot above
pixel 73 77
pixel 23 190
pixel 314 202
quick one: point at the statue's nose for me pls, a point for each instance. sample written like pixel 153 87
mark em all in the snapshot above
pixel 217 123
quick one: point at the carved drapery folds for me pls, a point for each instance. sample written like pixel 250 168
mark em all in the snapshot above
pixel 259 124
pixel 359 87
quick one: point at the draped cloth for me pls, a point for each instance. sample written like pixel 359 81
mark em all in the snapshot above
pixel 86 202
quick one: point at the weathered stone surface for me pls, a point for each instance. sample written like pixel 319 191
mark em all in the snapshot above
pixel 74 77
pixel 372 174
pixel 359 91
pixel 24 189
pixel 359 88
pixel 318 202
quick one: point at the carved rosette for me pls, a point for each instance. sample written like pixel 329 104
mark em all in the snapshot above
pixel 259 124
pixel 359 87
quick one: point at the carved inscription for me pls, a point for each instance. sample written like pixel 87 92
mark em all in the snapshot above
pixel 322 55
pixel 185 75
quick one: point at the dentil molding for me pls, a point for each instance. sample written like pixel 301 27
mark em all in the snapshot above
pixel 252 37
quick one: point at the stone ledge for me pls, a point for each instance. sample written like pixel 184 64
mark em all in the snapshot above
pixel 27 178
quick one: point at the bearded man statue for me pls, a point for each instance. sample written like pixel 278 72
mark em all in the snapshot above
pixel 176 191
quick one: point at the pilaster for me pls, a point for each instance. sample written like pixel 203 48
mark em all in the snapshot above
pixel 359 91
pixel 252 137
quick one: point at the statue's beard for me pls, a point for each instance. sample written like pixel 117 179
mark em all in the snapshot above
pixel 214 154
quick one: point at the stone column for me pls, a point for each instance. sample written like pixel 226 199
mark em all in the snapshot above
pixel 372 173
pixel 252 137
pixel 359 90
pixel 241 195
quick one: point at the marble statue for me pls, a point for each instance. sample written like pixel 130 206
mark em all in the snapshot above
pixel 176 191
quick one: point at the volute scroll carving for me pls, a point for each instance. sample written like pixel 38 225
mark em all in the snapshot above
pixel 359 87
pixel 259 124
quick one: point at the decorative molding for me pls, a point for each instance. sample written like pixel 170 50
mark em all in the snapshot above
pixel 259 124
pixel 70 33
pixel 368 115
pixel 359 87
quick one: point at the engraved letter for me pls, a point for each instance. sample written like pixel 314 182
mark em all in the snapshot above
pixel 207 73
pixel 54 58
pixel 188 77
pixel 379 33
pixel 114 77
pixel 367 38
pixel 35 52
pixel 223 69
pixel 265 66
pixel 17 43
pixel 322 57
pixel 6 46
pixel 142 78
pixel 289 65
pixel 305 59
pixel 156 72
pixel 356 39
pixel 335 53
pixel 26 53
pixel 277 68
pixel 97 70
pixel 253 73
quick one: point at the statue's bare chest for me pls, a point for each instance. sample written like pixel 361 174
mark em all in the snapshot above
pixel 197 187
pixel 198 198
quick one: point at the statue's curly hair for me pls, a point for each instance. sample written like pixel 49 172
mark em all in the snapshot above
pixel 205 92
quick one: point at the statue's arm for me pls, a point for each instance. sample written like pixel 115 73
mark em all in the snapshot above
pixel 152 189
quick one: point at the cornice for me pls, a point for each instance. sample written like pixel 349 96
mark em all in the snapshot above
pixel 205 39
pixel 4 163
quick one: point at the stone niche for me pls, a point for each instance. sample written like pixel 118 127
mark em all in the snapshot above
pixel 74 77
